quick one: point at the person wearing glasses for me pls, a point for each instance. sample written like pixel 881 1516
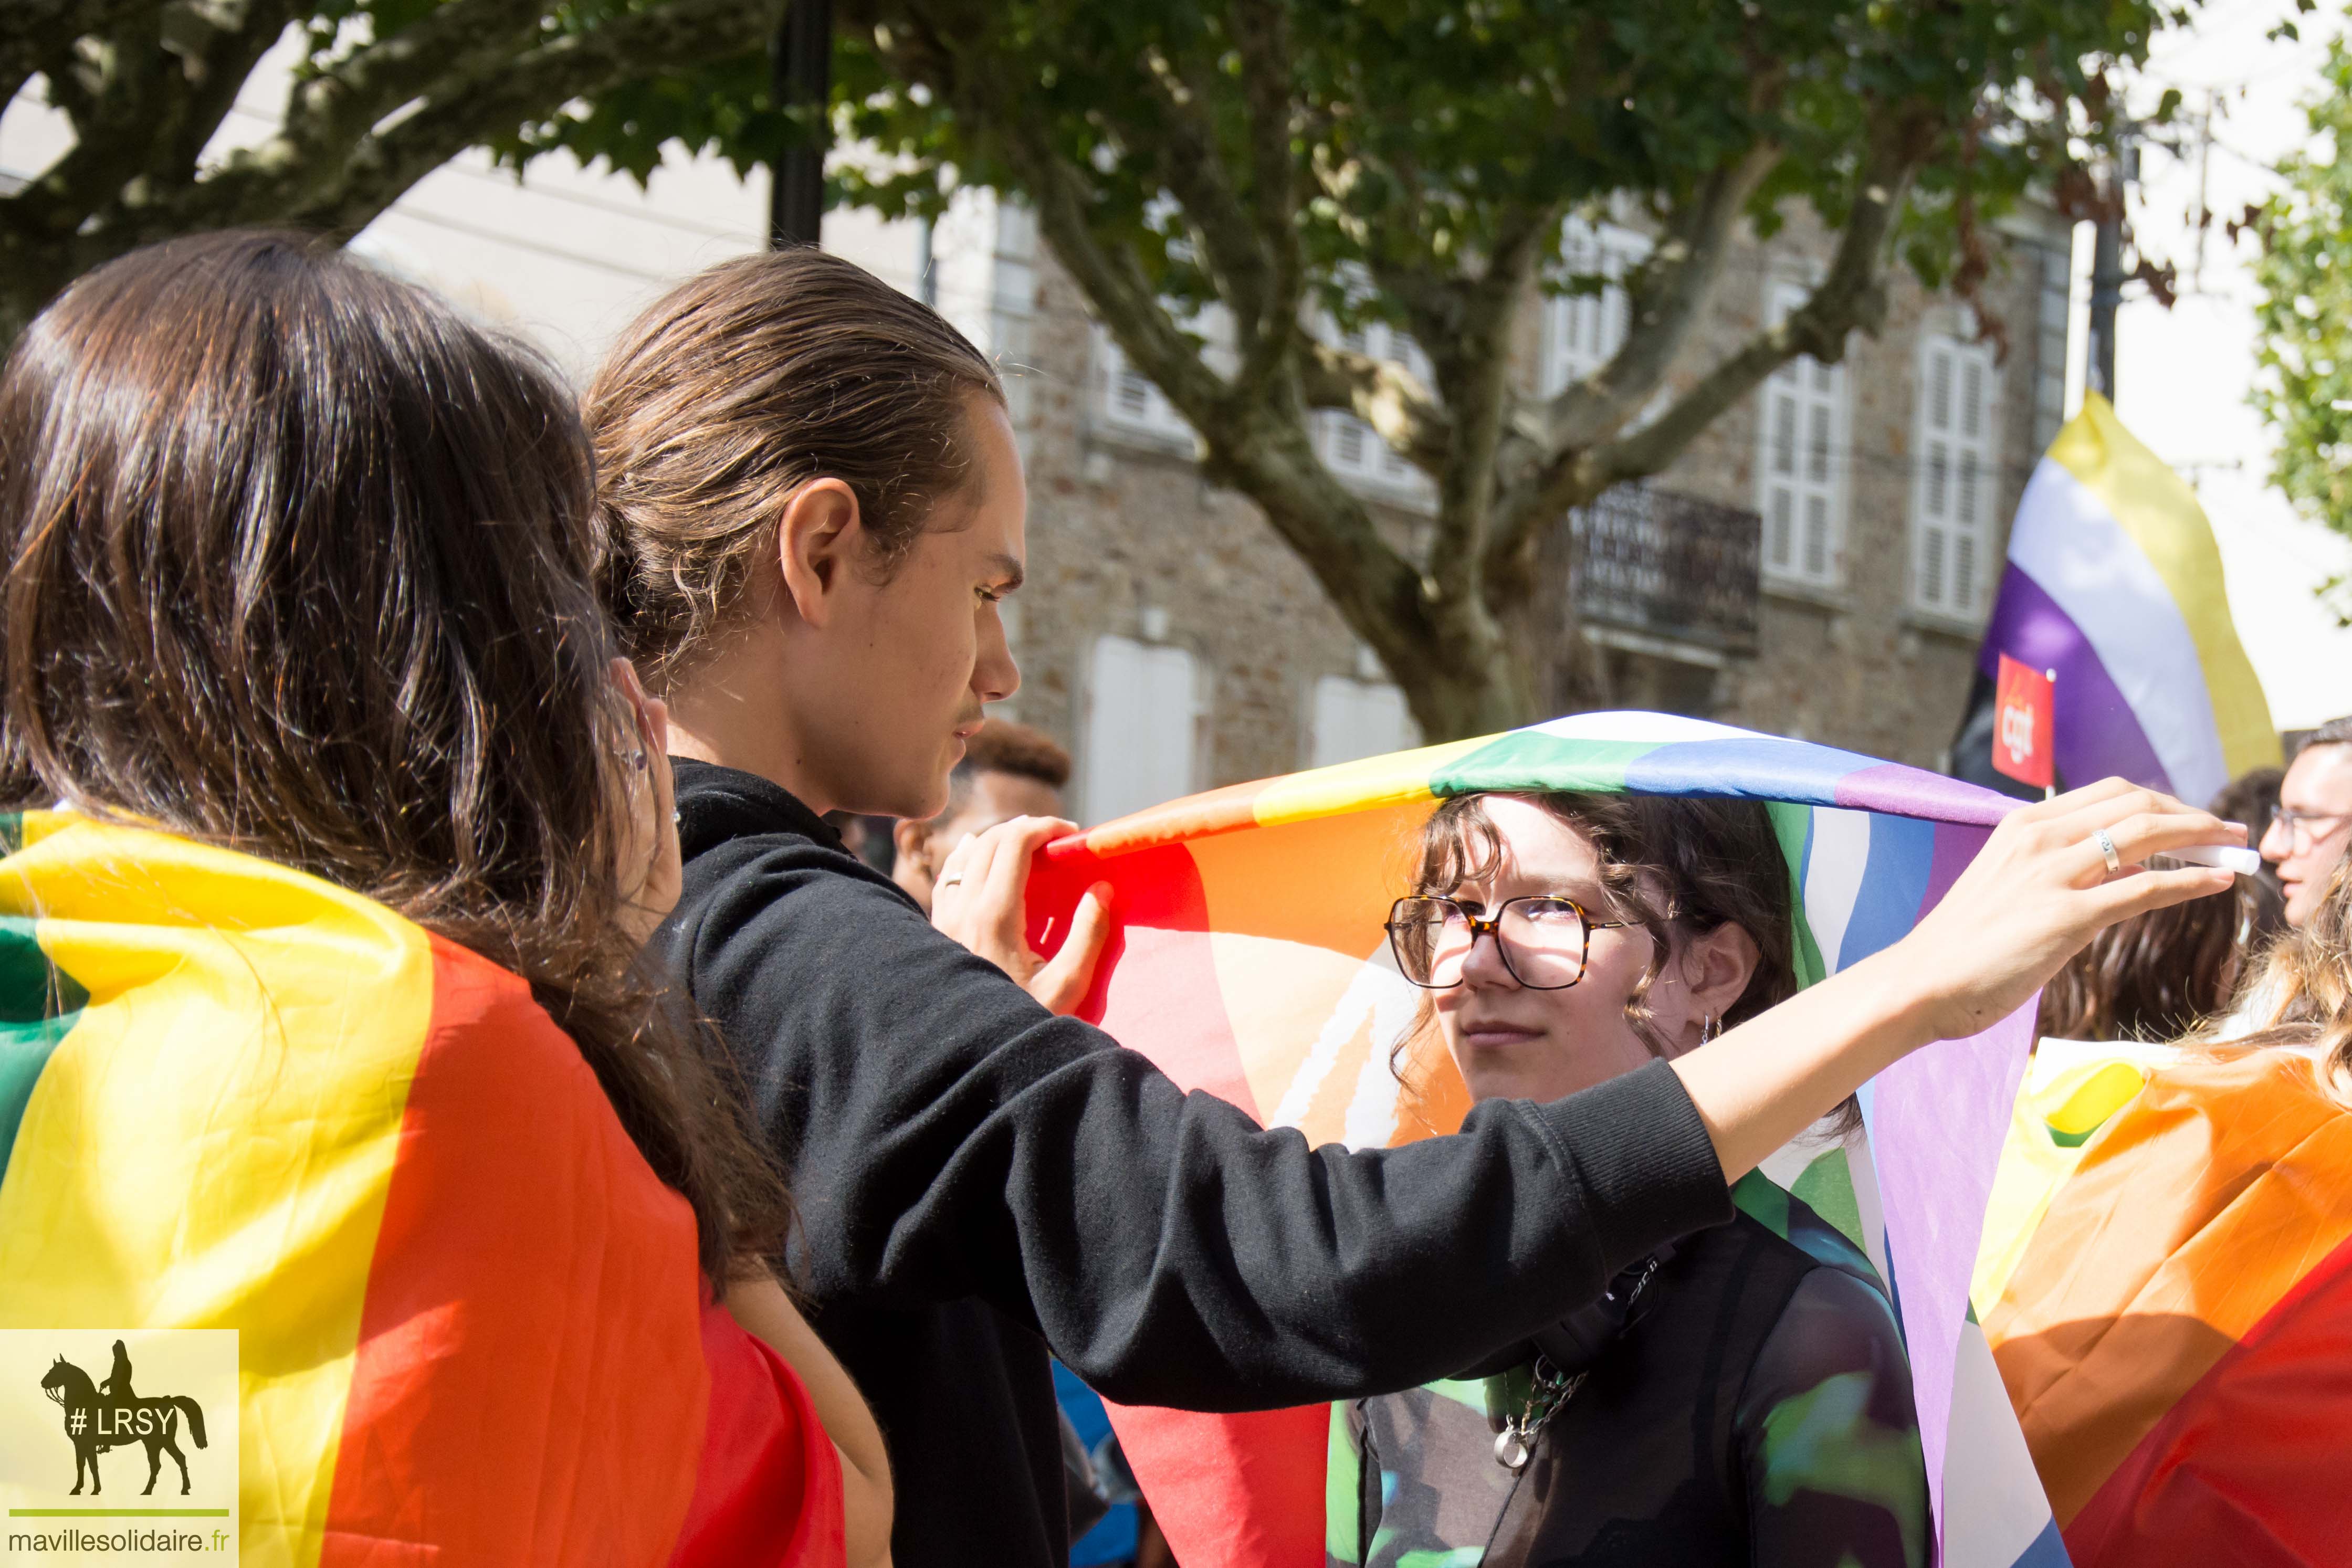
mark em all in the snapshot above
pixel 815 509
pixel 2306 838
pixel 1741 1395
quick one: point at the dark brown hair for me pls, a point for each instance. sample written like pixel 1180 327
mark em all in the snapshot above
pixel 298 565
pixel 1002 746
pixel 737 387
pixel 2161 974
pixel 1677 866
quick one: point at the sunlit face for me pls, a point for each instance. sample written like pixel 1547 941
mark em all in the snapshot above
pixel 922 652
pixel 2318 787
pixel 1514 1042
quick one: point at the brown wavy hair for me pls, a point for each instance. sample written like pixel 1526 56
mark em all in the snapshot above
pixel 298 564
pixel 2299 993
pixel 2161 974
pixel 735 389
pixel 1679 867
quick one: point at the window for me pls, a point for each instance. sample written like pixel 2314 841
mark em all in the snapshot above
pixel 1800 460
pixel 1354 718
pixel 1130 397
pixel 1352 449
pixel 1954 480
pixel 1141 712
pixel 1583 332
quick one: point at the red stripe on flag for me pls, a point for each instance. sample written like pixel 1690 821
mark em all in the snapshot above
pixel 529 1384
pixel 1238 1491
pixel 2248 1466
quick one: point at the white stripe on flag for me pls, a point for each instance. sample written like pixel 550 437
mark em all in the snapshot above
pixel 1840 855
pixel 2067 542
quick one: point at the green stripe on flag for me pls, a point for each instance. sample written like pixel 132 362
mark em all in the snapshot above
pixel 40 1004
pixel 1526 761
pixel 1793 824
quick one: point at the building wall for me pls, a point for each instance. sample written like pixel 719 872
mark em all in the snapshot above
pixel 1126 539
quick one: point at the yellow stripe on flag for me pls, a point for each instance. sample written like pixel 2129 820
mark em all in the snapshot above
pixel 182 1165
pixel 2149 503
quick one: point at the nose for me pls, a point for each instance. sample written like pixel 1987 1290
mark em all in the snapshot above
pixel 995 674
pixel 2277 842
pixel 1483 965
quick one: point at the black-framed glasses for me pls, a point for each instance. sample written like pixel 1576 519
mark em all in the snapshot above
pixel 2303 828
pixel 1544 939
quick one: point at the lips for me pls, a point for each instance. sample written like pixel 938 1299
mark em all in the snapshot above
pixel 1497 1036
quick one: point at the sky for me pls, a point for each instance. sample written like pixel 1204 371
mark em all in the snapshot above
pixel 2182 375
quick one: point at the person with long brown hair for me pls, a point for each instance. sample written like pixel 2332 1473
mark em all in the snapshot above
pixel 355 838
pixel 814 506
pixel 1742 1395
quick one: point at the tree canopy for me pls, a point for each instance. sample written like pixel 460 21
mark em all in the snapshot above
pixel 2303 314
pixel 1234 184
pixel 384 92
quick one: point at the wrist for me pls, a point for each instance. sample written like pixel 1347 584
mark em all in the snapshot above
pixel 1906 1009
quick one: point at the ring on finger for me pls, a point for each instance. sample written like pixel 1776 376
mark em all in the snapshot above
pixel 950 881
pixel 2108 851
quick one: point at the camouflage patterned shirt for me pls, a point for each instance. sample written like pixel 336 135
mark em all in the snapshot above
pixel 1759 1412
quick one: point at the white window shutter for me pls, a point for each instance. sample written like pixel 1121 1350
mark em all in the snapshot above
pixel 1955 453
pixel 1800 460
pixel 1353 719
pixel 1141 710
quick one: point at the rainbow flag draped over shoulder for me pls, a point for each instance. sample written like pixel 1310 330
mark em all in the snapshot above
pixel 2166 1282
pixel 1250 960
pixel 471 1324
pixel 2113 581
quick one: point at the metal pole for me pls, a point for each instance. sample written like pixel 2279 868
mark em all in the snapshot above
pixel 802 56
pixel 2107 273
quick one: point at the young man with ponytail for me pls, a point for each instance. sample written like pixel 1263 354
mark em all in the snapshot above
pixel 815 505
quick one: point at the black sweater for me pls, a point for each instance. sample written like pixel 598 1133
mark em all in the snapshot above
pixel 978 1180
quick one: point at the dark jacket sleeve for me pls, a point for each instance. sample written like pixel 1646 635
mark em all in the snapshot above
pixel 947 1137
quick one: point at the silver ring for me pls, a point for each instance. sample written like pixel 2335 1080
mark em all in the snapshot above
pixel 2107 847
pixel 951 881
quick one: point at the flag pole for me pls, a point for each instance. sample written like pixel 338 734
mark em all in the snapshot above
pixel 2050 791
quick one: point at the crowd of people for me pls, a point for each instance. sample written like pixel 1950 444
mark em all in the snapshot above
pixel 307 567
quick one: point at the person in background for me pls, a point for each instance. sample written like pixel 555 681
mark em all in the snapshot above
pixel 814 506
pixel 340 956
pixel 1742 1397
pixel 2253 798
pixel 2172 971
pixel 1008 770
pixel 2305 840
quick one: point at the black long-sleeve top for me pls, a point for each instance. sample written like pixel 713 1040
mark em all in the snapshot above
pixel 978 1180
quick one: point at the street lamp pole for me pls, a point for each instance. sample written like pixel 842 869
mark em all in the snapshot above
pixel 802 56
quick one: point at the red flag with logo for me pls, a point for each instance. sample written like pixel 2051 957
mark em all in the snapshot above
pixel 2023 731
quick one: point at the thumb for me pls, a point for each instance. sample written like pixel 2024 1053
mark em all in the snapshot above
pixel 1062 983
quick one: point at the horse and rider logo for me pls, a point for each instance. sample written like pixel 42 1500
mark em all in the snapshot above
pixel 112 1415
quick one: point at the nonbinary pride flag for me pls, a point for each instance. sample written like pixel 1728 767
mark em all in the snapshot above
pixel 2115 582
pixel 1249 960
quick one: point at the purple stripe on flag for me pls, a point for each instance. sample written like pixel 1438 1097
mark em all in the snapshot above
pixel 1902 791
pixel 2098 734
pixel 1955 848
pixel 1937 1119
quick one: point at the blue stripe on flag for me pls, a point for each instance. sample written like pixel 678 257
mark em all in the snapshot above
pixel 2048 1550
pixel 1764 767
pixel 1893 882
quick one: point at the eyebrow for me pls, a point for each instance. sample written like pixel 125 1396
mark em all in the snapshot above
pixel 1012 572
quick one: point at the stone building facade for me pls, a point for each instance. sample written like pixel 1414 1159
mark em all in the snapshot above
pixel 1174 643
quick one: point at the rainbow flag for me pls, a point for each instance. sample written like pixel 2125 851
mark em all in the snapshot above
pixel 471 1324
pixel 1250 960
pixel 2166 1279
pixel 2115 582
